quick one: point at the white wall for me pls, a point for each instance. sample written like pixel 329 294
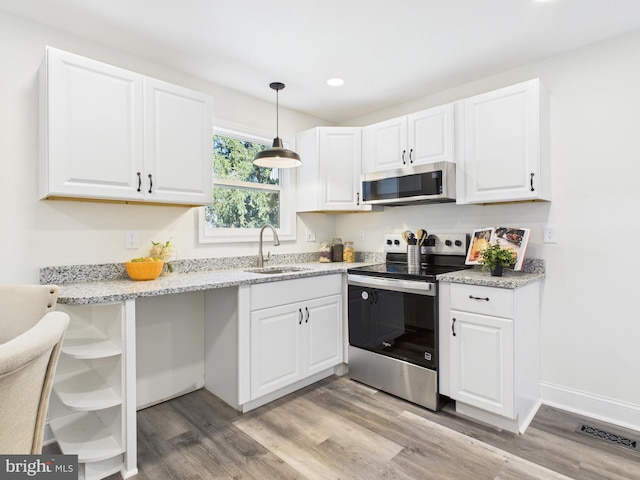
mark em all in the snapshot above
pixel 590 319
pixel 36 233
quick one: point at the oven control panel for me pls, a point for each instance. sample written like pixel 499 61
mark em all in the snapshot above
pixel 438 243
pixel 394 243
pixel 446 244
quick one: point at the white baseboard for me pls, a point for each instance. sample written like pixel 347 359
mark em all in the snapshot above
pixel 608 410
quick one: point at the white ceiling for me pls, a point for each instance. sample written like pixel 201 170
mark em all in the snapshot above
pixel 388 51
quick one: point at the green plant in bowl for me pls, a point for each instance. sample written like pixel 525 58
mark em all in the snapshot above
pixel 495 258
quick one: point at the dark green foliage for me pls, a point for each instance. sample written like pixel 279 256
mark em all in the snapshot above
pixel 243 205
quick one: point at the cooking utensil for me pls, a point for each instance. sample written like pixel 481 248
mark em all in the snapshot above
pixel 422 236
pixel 406 235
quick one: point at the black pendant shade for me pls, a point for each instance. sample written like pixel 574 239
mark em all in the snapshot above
pixel 277 156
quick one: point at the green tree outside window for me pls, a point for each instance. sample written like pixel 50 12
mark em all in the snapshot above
pixel 244 195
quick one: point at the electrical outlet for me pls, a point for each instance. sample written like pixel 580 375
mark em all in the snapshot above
pixel 131 239
pixel 362 235
pixel 549 234
pixel 310 235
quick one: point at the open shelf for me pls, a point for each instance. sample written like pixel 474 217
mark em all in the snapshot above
pixel 85 435
pixel 89 342
pixel 85 390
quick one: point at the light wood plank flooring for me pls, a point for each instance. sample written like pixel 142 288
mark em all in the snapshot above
pixel 341 429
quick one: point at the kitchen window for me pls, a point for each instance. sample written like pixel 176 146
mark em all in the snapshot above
pixel 245 196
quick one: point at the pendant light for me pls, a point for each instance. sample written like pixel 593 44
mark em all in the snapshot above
pixel 277 156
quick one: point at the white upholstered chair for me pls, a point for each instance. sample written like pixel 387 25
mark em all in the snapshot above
pixel 31 335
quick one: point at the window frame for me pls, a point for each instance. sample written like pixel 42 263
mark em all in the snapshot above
pixel 287 180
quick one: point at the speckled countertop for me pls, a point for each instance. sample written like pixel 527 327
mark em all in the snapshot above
pixel 92 284
pixel 510 279
pixel 123 289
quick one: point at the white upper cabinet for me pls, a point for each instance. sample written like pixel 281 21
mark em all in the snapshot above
pixel 178 144
pixel 110 134
pixel 329 177
pixel 419 138
pixel 506 146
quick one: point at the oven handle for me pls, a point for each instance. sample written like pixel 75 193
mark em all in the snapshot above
pixel 392 284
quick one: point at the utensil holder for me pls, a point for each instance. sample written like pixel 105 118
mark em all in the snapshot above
pixel 413 256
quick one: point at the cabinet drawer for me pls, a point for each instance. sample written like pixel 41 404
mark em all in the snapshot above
pixel 272 294
pixel 497 302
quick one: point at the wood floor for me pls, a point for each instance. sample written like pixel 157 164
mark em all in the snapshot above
pixel 341 429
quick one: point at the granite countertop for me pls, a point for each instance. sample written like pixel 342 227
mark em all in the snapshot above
pixel 92 284
pixel 476 276
pixel 105 291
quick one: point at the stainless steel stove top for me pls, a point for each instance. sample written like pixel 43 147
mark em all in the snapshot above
pixel 440 253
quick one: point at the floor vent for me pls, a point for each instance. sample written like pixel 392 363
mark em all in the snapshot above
pixel 591 431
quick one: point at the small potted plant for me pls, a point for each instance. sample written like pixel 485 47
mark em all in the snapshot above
pixel 495 258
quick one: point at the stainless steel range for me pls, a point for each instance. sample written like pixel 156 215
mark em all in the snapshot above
pixel 393 317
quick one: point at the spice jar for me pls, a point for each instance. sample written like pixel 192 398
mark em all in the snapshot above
pixel 325 252
pixel 349 253
pixel 336 250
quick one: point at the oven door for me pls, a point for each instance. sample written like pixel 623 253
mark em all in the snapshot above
pixel 396 318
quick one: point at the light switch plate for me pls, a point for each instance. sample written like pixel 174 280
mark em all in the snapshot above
pixel 549 234
pixel 310 235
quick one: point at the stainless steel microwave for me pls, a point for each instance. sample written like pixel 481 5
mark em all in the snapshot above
pixel 429 183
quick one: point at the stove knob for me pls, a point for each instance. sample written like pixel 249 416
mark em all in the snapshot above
pixel 458 243
pixel 447 243
pixel 396 242
pixel 389 242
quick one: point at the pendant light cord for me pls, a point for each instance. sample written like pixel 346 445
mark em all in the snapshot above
pixel 277 114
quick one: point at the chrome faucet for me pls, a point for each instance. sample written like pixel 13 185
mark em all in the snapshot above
pixel 276 242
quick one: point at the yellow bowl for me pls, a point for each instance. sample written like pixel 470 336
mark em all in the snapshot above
pixel 144 270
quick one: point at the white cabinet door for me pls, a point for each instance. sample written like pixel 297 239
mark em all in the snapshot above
pixel 111 134
pixel 416 139
pixel 340 168
pixel 385 145
pixel 482 362
pixel 431 135
pixel 178 144
pixel 506 145
pixel 276 343
pixel 329 177
pixel 323 334
pixel 91 129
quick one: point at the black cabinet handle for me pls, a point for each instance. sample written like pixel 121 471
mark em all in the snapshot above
pixel 411 156
pixel 358 198
pixel 306 310
pixel 404 162
pixel 150 183
pixel 532 189
pixel 301 316
pixel 478 298
pixel 139 181
pixel 453 327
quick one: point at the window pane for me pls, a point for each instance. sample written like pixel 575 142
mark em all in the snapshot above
pixel 233 159
pixel 243 208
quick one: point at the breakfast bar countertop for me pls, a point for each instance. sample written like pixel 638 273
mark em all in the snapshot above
pixel 106 291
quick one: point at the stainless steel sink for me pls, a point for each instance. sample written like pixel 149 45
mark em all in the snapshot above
pixel 276 270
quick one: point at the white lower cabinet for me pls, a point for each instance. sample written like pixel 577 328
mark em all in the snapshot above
pixel 291 342
pixel 482 362
pixel 494 356
pixel 272 338
pixel 92 406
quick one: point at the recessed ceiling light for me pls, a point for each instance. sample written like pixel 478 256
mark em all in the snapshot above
pixel 335 82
